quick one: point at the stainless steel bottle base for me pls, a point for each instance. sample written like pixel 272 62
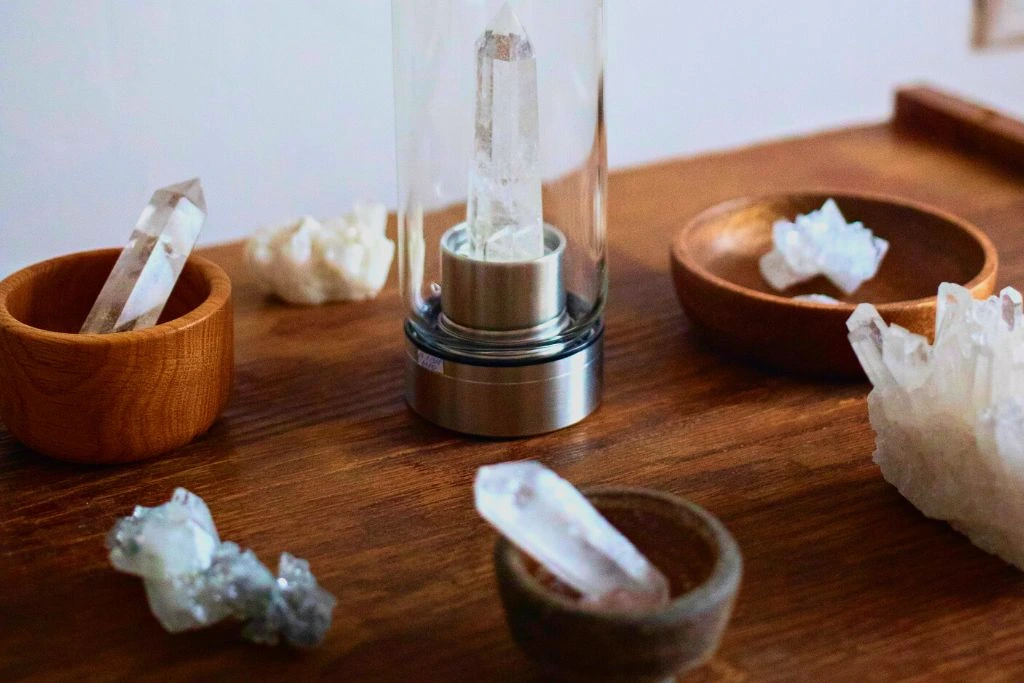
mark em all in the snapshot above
pixel 504 400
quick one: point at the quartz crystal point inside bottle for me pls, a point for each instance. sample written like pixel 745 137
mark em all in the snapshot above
pixel 194 580
pixel 138 287
pixel 504 212
pixel 547 518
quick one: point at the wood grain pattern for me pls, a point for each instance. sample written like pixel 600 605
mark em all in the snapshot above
pixel 715 259
pixel 317 454
pixel 111 398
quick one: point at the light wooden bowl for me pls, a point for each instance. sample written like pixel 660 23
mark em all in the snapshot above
pixel 114 397
pixel 715 268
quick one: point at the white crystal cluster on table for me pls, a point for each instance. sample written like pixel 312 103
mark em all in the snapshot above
pixel 822 243
pixel 552 522
pixel 308 262
pixel 949 417
pixel 144 275
pixel 504 215
pixel 194 580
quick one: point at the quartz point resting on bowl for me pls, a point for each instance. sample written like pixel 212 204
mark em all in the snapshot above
pixel 949 417
pixel 552 522
pixel 193 579
pixel 822 243
pixel 137 289
pixel 504 214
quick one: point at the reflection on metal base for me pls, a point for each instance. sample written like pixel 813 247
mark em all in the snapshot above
pixel 501 400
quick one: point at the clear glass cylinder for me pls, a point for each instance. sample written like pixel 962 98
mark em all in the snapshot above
pixel 501 174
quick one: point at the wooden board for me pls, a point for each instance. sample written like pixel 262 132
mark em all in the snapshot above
pixel 966 126
pixel 318 455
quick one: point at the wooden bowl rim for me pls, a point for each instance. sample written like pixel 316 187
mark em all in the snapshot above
pixel 718 588
pixel 681 256
pixel 220 294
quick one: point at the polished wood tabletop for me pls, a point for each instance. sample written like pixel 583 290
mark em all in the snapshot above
pixel 317 454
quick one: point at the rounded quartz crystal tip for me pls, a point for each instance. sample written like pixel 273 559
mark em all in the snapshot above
pixel 552 522
pixel 817 298
pixel 173 539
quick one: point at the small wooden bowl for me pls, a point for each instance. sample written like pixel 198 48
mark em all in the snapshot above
pixel 715 268
pixel 118 397
pixel 571 641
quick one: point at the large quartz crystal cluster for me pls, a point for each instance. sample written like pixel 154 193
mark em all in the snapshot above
pixel 822 243
pixel 194 580
pixel 949 417
pixel 308 262
pixel 547 518
pixel 504 212
pixel 138 287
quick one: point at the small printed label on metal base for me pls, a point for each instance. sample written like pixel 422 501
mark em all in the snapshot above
pixel 432 363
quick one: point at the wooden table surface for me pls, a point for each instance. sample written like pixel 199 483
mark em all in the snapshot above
pixel 317 454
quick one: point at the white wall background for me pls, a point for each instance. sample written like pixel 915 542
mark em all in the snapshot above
pixel 285 107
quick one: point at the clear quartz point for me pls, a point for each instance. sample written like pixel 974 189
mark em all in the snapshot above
pixel 504 214
pixel 866 330
pixel 138 287
pixel 553 523
pixel 817 298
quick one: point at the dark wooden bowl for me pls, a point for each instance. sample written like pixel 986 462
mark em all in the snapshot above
pixel 572 642
pixel 109 398
pixel 715 268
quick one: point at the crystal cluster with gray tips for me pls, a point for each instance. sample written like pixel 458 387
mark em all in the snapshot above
pixel 194 580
